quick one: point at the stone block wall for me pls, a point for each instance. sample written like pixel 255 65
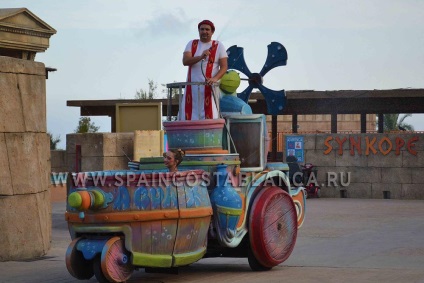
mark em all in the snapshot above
pixel 386 168
pixel 24 161
pixel 347 170
pixel 58 166
pixel 99 151
pixel 58 161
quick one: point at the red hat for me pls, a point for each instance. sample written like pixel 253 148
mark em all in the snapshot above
pixel 206 22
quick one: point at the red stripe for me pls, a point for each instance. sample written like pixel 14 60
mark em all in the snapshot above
pixel 208 88
pixel 189 97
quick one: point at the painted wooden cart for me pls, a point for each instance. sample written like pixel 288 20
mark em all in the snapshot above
pixel 220 204
pixel 226 200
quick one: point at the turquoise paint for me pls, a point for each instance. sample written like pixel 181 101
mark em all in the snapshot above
pixel 210 138
pixel 227 206
pixel 196 197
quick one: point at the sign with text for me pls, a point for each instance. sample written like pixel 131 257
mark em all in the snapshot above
pixel 295 147
pixel 371 145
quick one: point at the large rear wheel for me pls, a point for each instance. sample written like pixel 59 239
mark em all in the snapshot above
pixel 254 264
pixel 272 228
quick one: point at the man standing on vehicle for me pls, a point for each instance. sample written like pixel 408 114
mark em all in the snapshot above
pixel 207 62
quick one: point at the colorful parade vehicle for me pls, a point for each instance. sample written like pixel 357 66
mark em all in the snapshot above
pixel 225 201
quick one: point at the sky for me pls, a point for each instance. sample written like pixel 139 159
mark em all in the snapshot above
pixel 109 49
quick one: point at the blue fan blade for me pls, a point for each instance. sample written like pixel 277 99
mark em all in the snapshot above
pixel 245 94
pixel 236 60
pixel 275 100
pixel 277 56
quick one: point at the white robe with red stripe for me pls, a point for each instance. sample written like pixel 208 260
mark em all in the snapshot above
pixel 196 110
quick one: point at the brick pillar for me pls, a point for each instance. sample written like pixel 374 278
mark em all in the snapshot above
pixel 25 207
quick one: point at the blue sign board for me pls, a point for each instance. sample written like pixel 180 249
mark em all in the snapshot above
pixel 295 146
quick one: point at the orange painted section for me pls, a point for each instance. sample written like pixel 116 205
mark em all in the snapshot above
pixel 388 143
pixel 411 145
pixel 195 212
pixel 370 145
pixel 123 216
pixel 86 200
pixel 139 216
pixel 300 198
pixel 243 210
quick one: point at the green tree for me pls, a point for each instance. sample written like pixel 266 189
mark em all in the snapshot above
pixel 86 126
pixel 392 122
pixel 150 94
pixel 53 141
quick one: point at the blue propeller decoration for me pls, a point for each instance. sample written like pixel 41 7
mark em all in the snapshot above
pixel 277 56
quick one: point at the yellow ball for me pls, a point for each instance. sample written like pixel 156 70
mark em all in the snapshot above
pixel 230 81
pixel 75 200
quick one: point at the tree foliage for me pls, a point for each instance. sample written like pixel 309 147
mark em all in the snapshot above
pixel 150 94
pixel 392 122
pixel 53 141
pixel 174 91
pixel 86 126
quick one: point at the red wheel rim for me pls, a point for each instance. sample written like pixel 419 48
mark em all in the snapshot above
pixel 115 261
pixel 272 226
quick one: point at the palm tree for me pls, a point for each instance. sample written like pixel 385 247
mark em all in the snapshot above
pixel 392 122
pixel 405 126
pixel 53 141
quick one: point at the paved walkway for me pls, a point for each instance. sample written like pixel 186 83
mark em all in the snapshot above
pixel 342 240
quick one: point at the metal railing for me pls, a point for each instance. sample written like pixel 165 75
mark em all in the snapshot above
pixel 180 86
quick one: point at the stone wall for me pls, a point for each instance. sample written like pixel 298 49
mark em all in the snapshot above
pixel 58 161
pixel 379 172
pixel 350 172
pixel 321 123
pixel 24 161
pixel 99 151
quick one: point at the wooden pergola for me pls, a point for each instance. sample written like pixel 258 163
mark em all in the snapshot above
pixel 299 102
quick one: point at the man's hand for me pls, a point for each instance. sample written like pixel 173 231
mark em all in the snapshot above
pixel 205 54
pixel 189 60
pixel 211 81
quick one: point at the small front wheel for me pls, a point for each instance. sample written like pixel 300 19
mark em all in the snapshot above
pixel 98 273
pixel 114 263
pixel 76 264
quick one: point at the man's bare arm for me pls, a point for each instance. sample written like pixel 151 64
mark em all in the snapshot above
pixel 189 60
pixel 223 67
